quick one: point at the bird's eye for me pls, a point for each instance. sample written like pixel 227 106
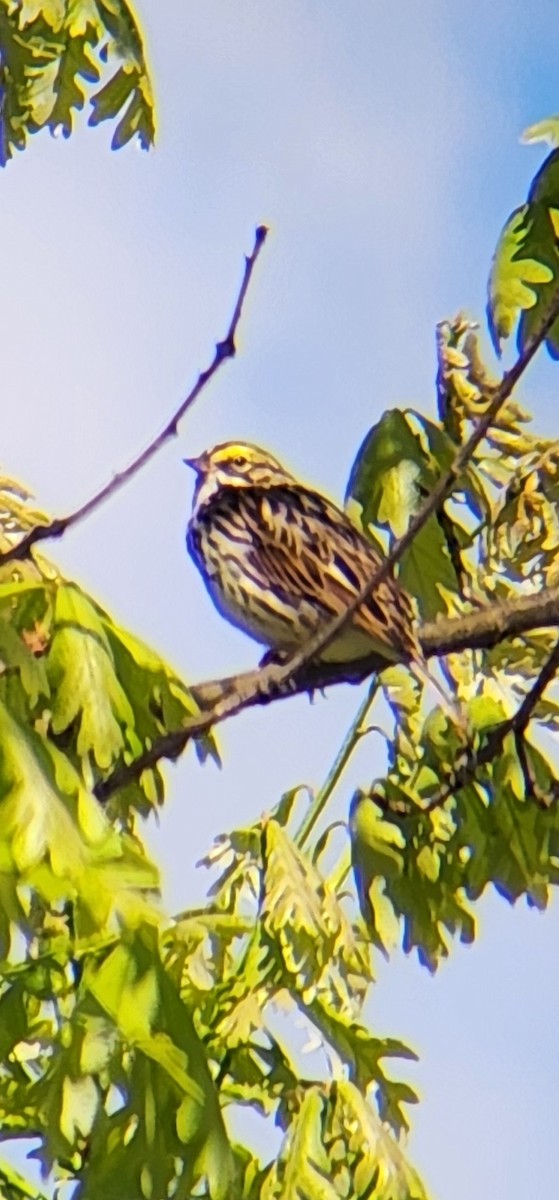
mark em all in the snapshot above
pixel 239 461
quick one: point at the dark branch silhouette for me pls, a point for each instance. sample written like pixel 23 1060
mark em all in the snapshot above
pixel 467 768
pixel 302 671
pixel 326 633
pixel 224 350
pixel 222 698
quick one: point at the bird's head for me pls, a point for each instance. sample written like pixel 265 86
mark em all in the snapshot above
pixel 235 464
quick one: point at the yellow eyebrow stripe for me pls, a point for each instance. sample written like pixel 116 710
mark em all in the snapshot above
pixel 233 449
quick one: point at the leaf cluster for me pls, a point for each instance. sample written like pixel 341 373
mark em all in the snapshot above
pixel 129 1038
pixel 420 864
pixel 57 53
pixel 126 1036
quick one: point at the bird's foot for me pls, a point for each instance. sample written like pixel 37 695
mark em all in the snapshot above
pixel 274 656
pixel 273 685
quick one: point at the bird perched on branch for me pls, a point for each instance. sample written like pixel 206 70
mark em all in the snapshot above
pixel 278 560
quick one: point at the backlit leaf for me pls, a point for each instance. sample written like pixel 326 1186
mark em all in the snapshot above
pixel 393 470
pixel 56 51
pixel 83 679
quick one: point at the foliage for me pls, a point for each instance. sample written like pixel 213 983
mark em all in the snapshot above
pixel 420 871
pixel 127 1036
pixel 55 53
pixel 526 260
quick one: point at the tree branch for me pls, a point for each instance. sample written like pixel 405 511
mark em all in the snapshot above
pixel 224 350
pixel 303 670
pixel 325 634
pixel 222 698
pixel 466 770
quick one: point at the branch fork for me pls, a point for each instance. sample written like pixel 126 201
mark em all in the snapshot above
pixel 303 670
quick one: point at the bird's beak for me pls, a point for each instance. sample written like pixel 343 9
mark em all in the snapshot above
pixel 195 463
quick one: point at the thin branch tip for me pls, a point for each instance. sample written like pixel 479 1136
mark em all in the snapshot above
pixel 304 670
pixel 224 349
pixel 324 636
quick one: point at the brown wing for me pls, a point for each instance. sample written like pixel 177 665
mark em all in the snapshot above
pixel 308 550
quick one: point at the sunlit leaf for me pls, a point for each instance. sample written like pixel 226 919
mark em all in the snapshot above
pixel 515 268
pixel 83 678
pixel 336 1147
pixel 542 131
pixel 392 472
pixel 55 52
pixel 13 1186
pixel 303 1169
pixel 131 987
pixel 526 262
pixel 298 910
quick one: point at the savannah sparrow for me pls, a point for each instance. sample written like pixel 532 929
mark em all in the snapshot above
pixel 278 559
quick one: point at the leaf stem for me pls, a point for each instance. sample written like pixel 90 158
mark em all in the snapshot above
pixel 17 1185
pixel 340 871
pixel 352 737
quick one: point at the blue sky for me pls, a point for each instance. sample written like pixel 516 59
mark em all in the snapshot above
pixel 380 143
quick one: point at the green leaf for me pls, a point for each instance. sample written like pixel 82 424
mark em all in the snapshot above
pixel 129 87
pixel 371 1158
pixel 250 1175
pixel 373 834
pixel 298 910
pixel 75 62
pixel 51 11
pixel 83 679
pixel 137 119
pixel 426 569
pixel 526 262
pixel 54 51
pixel 13 1018
pixel 377 847
pixel 387 446
pixel 261 1077
pixel 336 1146
pixel 14 1187
pixel 303 1169
pixel 160 701
pixel 392 472
pixel 15 653
pixel 56 840
pixel 516 266
pixel 542 131
pixel 409 870
pixel 109 101
pixel 362 1054
pixel 184 1120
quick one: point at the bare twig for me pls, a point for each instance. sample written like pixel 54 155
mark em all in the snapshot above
pixel 300 672
pixel 325 634
pixel 282 679
pixel 221 698
pixel 224 350
pixel 276 676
